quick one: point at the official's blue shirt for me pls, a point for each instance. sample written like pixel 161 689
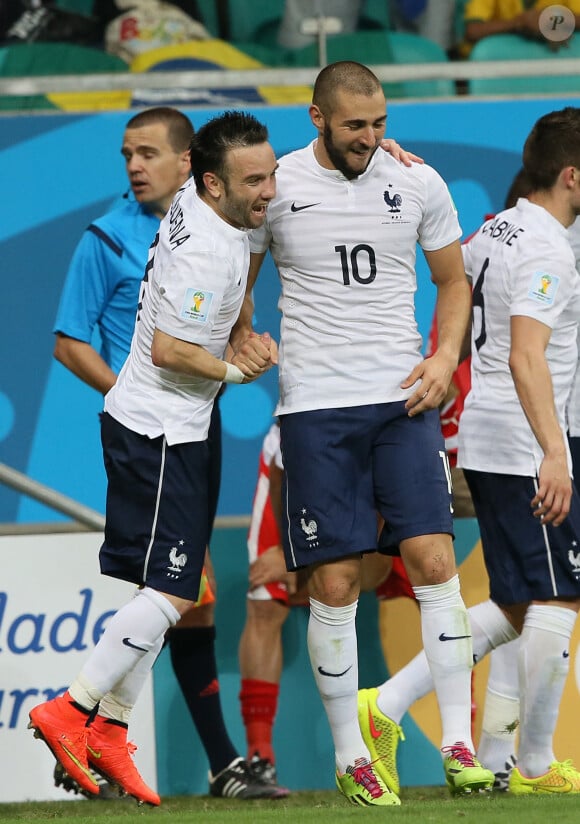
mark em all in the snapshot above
pixel 102 283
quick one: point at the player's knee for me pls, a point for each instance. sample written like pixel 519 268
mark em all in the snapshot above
pixel 336 584
pixel 429 560
pixel 269 614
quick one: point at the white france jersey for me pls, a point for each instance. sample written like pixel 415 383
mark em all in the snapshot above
pixel 521 263
pixel 346 251
pixel 193 290
pixel 573 411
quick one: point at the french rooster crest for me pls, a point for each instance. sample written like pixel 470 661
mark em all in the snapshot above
pixel 310 528
pixel 394 202
pixel 177 561
pixel 574 559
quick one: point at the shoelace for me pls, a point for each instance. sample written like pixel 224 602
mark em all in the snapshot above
pixel 568 767
pixel 261 767
pixel 77 739
pixel 459 752
pixel 365 775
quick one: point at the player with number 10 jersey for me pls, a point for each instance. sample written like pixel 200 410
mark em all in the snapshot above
pixel 346 253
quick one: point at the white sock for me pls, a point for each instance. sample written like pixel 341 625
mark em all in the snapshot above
pixel 118 703
pixel 332 647
pixel 133 632
pixel 543 664
pixel 448 647
pixel 489 628
pixel 406 686
pixel 497 744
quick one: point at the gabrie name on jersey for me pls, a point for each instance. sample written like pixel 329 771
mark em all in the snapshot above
pixel 502 230
pixel 177 235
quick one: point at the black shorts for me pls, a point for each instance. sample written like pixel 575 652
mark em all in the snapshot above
pixel 214 442
pixel 156 528
pixel 575 452
pixel 526 560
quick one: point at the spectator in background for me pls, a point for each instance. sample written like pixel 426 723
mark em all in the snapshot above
pixel 483 18
pixel 107 10
pixel 101 291
pixel 432 19
pixel 10 11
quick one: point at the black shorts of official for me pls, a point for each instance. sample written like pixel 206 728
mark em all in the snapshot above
pixel 526 560
pixel 343 465
pixel 156 528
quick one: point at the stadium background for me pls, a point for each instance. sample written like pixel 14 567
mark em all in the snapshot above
pixel 59 171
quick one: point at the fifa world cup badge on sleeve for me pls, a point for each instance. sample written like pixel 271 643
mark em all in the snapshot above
pixel 544 287
pixel 196 305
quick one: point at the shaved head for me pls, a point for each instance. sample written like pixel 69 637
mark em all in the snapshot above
pixel 346 75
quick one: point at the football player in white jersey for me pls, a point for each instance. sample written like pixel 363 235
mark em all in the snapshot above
pixel 526 300
pixel 358 404
pixel 154 433
pixel 393 698
pixel 102 291
pixel 574 399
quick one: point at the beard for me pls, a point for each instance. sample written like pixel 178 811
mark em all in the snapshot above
pixel 239 212
pixel 338 156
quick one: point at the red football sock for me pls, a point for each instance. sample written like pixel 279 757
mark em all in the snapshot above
pixel 259 700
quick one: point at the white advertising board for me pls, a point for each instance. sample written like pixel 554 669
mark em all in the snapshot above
pixel 54 604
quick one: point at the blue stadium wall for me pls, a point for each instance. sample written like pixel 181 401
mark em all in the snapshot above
pixel 59 172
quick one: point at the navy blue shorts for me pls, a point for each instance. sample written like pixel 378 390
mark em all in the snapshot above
pixel 525 559
pixel 344 465
pixel 214 442
pixel 156 527
pixel 575 452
